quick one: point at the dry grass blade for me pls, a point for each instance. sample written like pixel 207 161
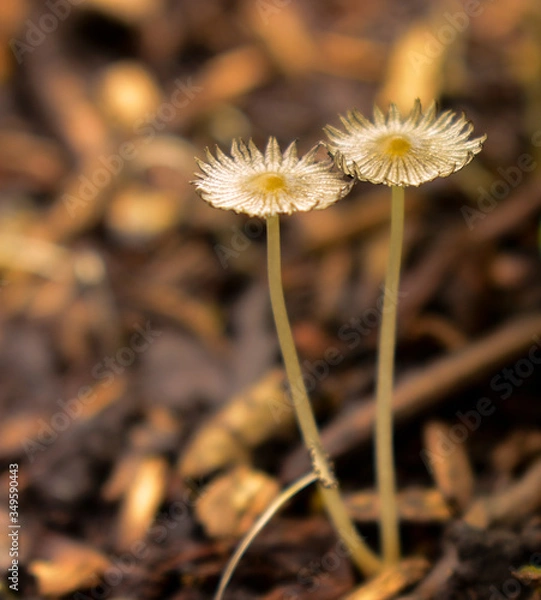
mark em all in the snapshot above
pixel 286 495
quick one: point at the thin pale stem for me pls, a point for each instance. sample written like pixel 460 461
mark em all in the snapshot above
pixel 389 531
pixel 363 557
pixel 262 520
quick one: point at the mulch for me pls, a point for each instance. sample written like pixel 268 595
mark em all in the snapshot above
pixel 143 403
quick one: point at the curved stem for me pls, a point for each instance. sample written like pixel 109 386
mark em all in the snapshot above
pixel 389 532
pixel 365 559
pixel 262 520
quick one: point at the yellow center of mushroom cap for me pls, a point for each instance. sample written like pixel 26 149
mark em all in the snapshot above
pixel 269 182
pixel 396 146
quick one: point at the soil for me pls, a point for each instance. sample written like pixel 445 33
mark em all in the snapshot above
pixel 144 416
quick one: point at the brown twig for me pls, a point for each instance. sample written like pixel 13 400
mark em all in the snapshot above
pixel 424 389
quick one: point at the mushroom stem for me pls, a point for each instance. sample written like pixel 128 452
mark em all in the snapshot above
pixel 361 554
pixel 385 469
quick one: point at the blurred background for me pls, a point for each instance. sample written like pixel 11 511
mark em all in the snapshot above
pixel 141 391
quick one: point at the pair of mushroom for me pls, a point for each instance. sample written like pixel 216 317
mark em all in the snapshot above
pixel 392 150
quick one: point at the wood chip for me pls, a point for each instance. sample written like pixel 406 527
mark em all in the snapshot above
pixel 447 459
pixel 201 318
pixel 126 92
pixel 391 581
pixel 143 497
pixel 284 32
pixel 440 329
pixel 415 67
pixel 513 450
pixel 422 389
pixel 248 419
pixel 130 11
pixel 139 214
pixel 67 566
pixel 511 505
pixel 230 504
pixel 224 78
pixel 415 505
pixel 350 57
